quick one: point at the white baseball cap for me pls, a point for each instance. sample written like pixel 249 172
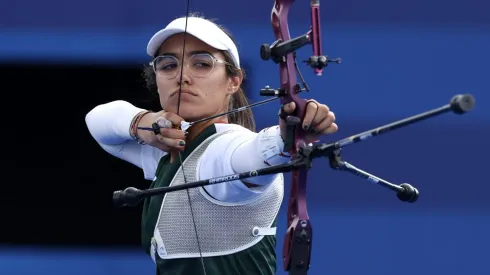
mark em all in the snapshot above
pixel 203 29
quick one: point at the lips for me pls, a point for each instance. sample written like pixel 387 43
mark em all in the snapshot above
pixel 184 91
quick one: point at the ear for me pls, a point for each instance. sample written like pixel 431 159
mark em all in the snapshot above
pixel 235 82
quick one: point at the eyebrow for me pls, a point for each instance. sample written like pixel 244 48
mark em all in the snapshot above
pixel 191 53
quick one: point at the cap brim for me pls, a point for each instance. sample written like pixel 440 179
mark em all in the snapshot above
pixel 157 40
pixel 202 29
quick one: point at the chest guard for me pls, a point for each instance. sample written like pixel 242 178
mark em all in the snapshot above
pixel 223 228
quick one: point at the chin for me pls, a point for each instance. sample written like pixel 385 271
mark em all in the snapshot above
pixel 189 112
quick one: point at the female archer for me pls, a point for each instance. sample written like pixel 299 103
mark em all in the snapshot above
pixel 226 228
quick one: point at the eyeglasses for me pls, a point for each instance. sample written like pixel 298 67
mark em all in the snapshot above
pixel 200 65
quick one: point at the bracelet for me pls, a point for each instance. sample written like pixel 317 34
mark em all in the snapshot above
pixel 133 131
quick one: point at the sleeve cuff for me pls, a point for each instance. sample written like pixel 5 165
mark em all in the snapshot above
pixel 271 146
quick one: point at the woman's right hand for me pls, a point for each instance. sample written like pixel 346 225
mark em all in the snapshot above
pixel 169 139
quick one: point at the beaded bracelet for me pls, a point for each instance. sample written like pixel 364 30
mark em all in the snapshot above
pixel 133 131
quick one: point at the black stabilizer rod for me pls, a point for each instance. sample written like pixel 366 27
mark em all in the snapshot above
pixel 459 104
pixel 404 192
pixel 132 196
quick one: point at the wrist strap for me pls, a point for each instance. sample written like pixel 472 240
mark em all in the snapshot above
pixel 133 130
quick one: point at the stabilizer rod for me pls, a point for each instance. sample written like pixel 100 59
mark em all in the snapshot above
pixel 459 104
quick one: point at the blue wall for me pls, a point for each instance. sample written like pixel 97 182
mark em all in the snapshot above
pixel 399 58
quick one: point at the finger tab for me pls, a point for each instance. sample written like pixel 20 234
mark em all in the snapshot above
pixel 164 122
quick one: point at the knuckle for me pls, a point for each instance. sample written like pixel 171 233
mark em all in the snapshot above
pixel 325 108
pixel 180 134
pixel 176 120
pixel 169 115
pixel 173 118
pixel 164 131
pixel 313 106
pixel 160 139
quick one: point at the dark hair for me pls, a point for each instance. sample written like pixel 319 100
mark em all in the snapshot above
pixel 238 99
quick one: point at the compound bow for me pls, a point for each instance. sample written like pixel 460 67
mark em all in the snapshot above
pixel 298 239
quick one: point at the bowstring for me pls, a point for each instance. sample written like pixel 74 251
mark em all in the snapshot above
pixel 180 155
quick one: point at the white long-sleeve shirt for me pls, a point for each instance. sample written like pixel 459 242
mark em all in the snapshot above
pixel 236 152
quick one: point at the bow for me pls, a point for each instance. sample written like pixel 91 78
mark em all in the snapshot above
pixel 298 240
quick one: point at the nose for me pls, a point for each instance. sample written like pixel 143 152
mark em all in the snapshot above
pixel 185 76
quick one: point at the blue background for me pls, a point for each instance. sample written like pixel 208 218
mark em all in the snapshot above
pixel 399 58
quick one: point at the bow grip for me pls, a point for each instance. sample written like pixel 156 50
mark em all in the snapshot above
pixel 295 133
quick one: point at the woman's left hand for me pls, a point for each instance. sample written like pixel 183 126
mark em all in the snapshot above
pixel 318 120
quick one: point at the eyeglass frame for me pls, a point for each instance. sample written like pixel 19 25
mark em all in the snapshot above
pixel 215 60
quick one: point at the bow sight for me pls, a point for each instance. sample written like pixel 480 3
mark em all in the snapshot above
pixel 278 50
